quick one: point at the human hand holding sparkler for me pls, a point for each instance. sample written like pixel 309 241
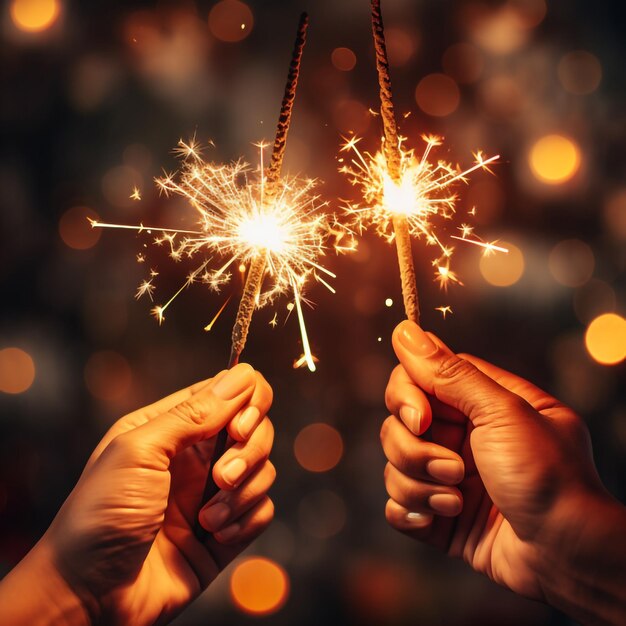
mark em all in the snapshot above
pixel 490 468
pixel 122 549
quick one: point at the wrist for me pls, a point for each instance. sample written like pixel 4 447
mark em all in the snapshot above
pixel 583 557
pixel 35 594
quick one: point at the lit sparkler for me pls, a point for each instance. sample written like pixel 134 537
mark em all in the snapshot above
pixel 402 192
pixel 261 220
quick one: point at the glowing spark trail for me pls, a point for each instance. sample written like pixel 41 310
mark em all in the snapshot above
pixel 404 194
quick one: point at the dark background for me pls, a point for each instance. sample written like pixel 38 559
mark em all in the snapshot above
pixel 93 106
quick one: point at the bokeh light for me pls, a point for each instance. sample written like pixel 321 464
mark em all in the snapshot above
pixel 502 98
pixel 343 59
pixel 554 159
pixel 388 302
pixel 259 586
pixel 322 514
pixel 75 229
pixel 34 16
pixel 350 116
pixel 318 447
pixel 615 214
pixel 580 72
pixel 605 339
pixel 437 95
pixel 108 376
pixel 231 21
pixel 503 270
pixel 592 299
pixel 17 370
pixel 571 262
pixel 118 184
pixel 464 62
pixel 401 45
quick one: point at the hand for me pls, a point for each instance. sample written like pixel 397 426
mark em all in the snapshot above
pixel 488 467
pixel 123 542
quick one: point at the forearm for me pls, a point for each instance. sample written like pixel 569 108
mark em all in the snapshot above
pixel 35 594
pixel 585 569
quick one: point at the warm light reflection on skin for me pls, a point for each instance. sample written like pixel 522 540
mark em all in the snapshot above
pixel 554 159
pixel 34 16
pixel 605 339
pixel 503 270
pixel 318 447
pixel 259 586
pixel 17 371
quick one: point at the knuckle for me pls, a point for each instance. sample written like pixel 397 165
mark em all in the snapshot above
pixel 453 368
pixel 193 411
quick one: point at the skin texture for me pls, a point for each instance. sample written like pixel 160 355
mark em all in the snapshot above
pixel 491 469
pixel 122 550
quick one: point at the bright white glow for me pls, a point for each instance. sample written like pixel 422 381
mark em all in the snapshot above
pixel 264 232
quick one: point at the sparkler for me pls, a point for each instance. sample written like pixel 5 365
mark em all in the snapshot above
pixel 267 222
pixel 403 193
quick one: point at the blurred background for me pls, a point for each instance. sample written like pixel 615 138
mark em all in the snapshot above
pixel 95 95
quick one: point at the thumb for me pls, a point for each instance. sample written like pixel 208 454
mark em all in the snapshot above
pixel 195 419
pixel 451 379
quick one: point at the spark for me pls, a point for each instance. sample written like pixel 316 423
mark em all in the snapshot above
pixel 240 219
pixel 209 326
pixel 444 310
pixel 424 193
pixel 136 194
pixel 146 287
pixel 274 321
pixel 488 246
pixel 302 361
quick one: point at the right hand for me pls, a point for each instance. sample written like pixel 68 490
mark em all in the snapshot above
pixel 483 464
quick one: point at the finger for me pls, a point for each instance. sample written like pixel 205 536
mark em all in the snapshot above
pixel 413 522
pixel 195 419
pixel 249 526
pixel 421 496
pixel 453 380
pixel 240 460
pixel 227 506
pixel 139 417
pixel 417 458
pixel 251 415
pixel 406 400
pixel 538 398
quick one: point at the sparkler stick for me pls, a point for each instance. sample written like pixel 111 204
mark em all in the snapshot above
pixel 393 158
pixel 254 280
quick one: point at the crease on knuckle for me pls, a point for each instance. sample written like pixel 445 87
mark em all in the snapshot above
pixel 192 410
pixel 452 368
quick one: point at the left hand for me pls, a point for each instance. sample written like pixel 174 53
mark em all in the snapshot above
pixel 124 542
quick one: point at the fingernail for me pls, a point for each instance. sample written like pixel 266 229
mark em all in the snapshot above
pixel 411 418
pixel 233 383
pixel 248 420
pixel 415 340
pixel 419 520
pixel 233 471
pixel 214 516
pixel 446 471
pixel 445 503
pixel 229 532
